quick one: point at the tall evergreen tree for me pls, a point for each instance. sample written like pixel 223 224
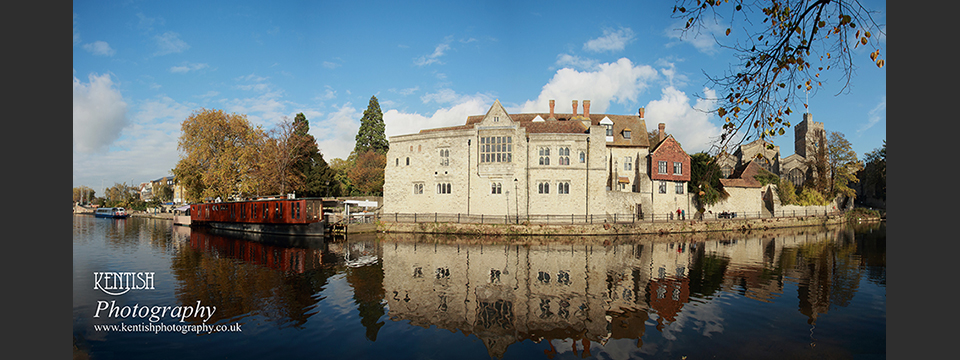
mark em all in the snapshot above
pixel 318 177
pixel 371 135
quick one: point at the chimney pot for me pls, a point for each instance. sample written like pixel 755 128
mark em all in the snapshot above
pixel 574 108
pixel 586 109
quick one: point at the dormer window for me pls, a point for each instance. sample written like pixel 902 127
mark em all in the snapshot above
pixel 608 126
pixel 626 133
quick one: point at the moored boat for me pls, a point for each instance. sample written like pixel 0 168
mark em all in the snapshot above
pixel 296 217
pixel 113 212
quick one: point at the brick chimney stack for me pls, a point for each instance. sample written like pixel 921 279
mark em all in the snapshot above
pixel 641 113
pixel 586 109
pixel 574 108
pixel 551 110
pixel 663 133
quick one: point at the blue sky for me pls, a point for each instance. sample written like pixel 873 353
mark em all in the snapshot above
pixel 140 68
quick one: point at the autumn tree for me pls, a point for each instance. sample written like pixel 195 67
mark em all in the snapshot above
pixel 371 135
pixel 783 49
pixel 218 156
pixel 83 194
pixel 283 151
pixel 843 166
pixel 366 175
pixel 164 193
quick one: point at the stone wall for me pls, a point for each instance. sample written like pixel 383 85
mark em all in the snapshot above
pixel 745 201
pixel 608 228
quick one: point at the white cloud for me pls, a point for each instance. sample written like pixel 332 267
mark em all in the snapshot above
pixel 76 34
pixel 669 71
pixel 99 113
pixel 187 67
pixel 336 134
pixel 611 41
pixel 330 65
pixel 703 39
pixel 169 43
pixel 434 58
pixel 147 23
pixel 398 123
pixel 619 81
pixel 209 94
pixel 576 62
pixel 875 115
pixel 688 123
pixel 328 94
pixel 146 151
pixel 99 48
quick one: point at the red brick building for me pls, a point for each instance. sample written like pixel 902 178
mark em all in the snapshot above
pixel 669 169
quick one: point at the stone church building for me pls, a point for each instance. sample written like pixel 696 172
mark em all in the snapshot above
pixel 808 135
pixel 538 164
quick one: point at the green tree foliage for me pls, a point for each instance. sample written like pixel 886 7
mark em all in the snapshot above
pixel 787 193
pixel 219 155
pixel 705 179
pixel 366 176
pixel 122 195
pixel 843 166
pixel 783 48
pixel 766 177
pixel 318 178
pixel 873 176
pixel 341 168
pixel 371 135
pixel 810 196
pixel 83 194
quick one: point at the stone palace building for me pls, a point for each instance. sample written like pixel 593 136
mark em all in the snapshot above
pixel 538 164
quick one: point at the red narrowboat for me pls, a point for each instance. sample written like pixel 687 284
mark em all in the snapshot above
pixel 296 217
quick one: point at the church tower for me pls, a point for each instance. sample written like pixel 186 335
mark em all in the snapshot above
pixel 806 136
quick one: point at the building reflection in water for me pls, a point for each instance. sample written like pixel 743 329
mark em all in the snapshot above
pixel 505 294
pixel 549 290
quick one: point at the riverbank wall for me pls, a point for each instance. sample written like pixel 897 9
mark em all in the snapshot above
pixel 608 229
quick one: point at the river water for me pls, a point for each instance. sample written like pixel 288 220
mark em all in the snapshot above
pixel 146 289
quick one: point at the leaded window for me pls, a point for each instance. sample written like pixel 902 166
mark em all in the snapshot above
pixel 495 149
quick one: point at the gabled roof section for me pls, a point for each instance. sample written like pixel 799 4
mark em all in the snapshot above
pixel 743 177
pixel 663 144
pixel 496 116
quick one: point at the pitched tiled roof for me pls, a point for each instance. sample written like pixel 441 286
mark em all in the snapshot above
pixel 564 123
pixel 743 177
pixel 554 127
pixel 449 128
